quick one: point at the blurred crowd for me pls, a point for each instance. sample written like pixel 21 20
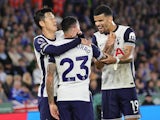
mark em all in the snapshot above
pixel 19 73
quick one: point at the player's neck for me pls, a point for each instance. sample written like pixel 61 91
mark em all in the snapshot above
pixel 67 35
pixel 49 35
pixel 113 28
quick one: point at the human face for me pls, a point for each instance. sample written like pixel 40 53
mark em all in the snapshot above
pixel 49 22
pixel 103 23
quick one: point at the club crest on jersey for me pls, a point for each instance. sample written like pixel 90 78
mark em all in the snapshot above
pixel 40 40
pixel 118 40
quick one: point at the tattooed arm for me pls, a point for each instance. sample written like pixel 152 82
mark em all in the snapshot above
pixel 128 55
pixel 51 68
pixel 126 58
pixel 108 48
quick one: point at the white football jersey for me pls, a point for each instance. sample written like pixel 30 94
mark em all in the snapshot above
pixel 123 77
pixel 43 61
pixel 74 68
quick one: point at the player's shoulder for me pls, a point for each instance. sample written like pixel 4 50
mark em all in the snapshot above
pixel 59 33
pixel 125 28
pixel 39 39
pixel 38 36
pixel 98 34
pixel 128 33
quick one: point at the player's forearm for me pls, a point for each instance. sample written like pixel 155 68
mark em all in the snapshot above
pixel 99 65
pixel 49 87
pixel 50 83
pixel 108 49
pixel 58 50
pixel 128 56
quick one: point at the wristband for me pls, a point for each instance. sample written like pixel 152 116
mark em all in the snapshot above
pixel 117 60
pixel 116 64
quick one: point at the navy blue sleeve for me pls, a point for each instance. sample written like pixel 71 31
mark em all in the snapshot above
pixel 96 52
pixel 39 44
pixel 43 47
pixel 129 36
pixel 94 40
pixel 51 59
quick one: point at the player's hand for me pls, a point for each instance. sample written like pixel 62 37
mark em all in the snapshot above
pixel 54 111
pixel 110 43
pixel 111 39
pixel 99 64
pixel 109 59
pixel 85 42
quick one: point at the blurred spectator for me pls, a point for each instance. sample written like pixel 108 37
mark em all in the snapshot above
pixel 58 6
pixel 16 90
pixel 3 97
pixel 157 87
pixel 78 11
pixel 20 93
pixel 36 75
pixel 140 86
pixel 68 10
pixel 86 17
pixel 17 77
pixel 150 87
pixel 148 100
pixel 154 76
pixel 9 69
pixel 14 55
pixel 7 85
pixel 4 57
pixel 22 68
pixel 35 91
pixel 27 80
pixel 37 4
pixel 28 53
pixel 2 74
pixel 16 3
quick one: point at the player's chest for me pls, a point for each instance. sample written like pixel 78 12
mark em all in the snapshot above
pixel 119 42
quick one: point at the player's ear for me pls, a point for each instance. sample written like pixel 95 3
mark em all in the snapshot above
pixel 110 18
pixel 41 23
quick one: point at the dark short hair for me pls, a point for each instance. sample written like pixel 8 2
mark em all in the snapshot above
pixel 40 15
pixel 103 9
pixel 67 22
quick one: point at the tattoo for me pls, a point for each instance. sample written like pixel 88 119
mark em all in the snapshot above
pixel 108 49
pixel 127 55
pixel 49 83
pixel 126 51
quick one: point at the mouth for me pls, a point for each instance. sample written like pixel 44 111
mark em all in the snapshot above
pixel 100 28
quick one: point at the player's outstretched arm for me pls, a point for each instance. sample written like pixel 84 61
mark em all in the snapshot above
pixel 43 47
pixel 51 68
